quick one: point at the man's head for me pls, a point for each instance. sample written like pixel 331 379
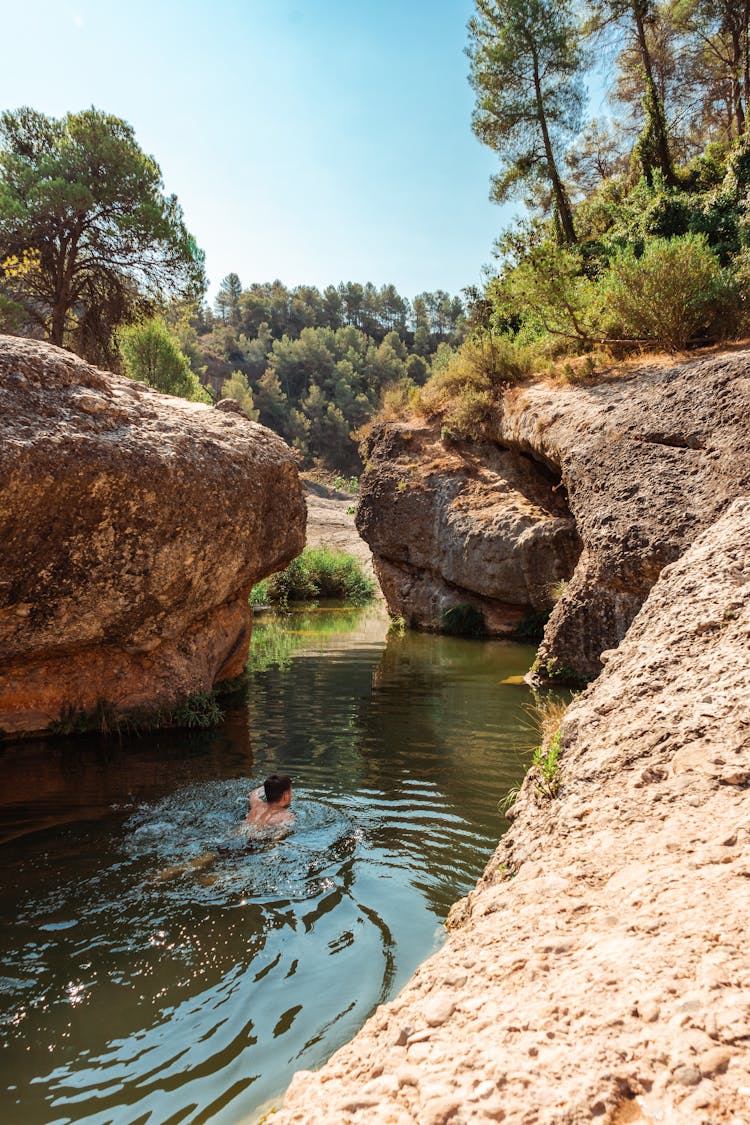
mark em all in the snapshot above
pixel 278 789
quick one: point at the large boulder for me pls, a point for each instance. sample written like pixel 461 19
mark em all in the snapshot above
pixel 603 484
pixel 132 528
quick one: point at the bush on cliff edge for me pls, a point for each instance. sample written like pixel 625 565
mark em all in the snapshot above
pixel 668 295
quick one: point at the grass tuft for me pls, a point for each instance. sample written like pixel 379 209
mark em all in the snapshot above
pixel 546 761
pixel 463 620
pixel 199 710
pixel 319 572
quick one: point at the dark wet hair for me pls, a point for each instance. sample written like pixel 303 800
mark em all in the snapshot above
pixel 276 786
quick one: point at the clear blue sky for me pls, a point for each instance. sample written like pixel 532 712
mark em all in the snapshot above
pixel 316 141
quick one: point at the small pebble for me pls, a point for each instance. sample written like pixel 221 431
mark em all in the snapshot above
pixel 687 1075
pixel 714 1061
pixel 437 1011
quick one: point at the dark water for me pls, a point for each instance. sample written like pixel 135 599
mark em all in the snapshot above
pixel 160 965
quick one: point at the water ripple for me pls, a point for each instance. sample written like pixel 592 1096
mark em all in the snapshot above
pixel 162 963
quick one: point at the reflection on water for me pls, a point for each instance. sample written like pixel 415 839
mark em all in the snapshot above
pixel 160 963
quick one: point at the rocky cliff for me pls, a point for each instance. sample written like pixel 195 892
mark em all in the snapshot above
pixel 459 524
pixel 132 527
pixel 600 971
pixel 601 486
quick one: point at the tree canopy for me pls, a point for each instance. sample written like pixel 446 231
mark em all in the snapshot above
pixel 152 354
pixel 315 365
pixel 526 67
pixel 88 239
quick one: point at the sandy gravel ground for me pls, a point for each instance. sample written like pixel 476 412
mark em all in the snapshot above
pixel 330 523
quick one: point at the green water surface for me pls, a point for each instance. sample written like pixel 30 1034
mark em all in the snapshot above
pixel 160 965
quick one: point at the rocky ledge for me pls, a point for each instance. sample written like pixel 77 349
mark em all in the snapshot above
pixel 597 486
pixel 600 971
pixel 132 527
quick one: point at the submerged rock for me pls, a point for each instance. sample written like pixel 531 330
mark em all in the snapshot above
pixel 132 527
pixel 604 485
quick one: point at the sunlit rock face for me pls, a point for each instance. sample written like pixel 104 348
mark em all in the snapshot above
pixel 457 525
pixel 603 485
pixel 132 527
pixel 649 460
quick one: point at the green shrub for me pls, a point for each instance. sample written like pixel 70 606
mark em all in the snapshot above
pixel 530 629
pixel 293 584
pixel 467 389
pixel 553 672
pixel 551 290
pixel 739 311
pixel 708 170
pixel 259 594
pixel 238 388
pixel 151 354
pixel 667 296
pixel 546 761
pixel 342 484
pixel 469 414
pixel 319 572
pixel 669 215
pixel 463 620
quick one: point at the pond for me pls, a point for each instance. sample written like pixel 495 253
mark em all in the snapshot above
pixel 161 966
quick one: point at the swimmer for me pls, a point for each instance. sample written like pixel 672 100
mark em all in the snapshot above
pixel 277 790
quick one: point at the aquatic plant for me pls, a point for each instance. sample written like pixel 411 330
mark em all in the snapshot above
pixel 271 645
pixel 199 710
pixel 75 719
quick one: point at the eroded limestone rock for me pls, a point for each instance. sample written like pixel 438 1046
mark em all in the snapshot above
pixel 600 970
pixel 649 461
pixel 132 527
pixel 463 525
pixel 640 465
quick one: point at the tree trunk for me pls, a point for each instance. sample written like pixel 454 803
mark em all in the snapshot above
pixel 656 119
pixel 738 110
pixel 564 213
pixel 60 307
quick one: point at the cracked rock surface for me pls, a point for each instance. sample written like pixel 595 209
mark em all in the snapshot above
pixel 600 971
